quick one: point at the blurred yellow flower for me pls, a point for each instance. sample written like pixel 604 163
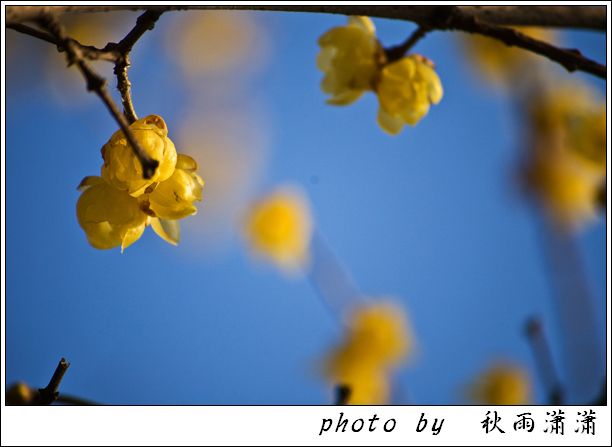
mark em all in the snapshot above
pixel 20 393
pixel 567 162
pixel 173 198
pixel 109 216
pixel 501 384
pixel 378 339
pixel 350 57
pixel 123 170
pixel 406 89
pixel 354 61
pixel 279 227
pixel 502 64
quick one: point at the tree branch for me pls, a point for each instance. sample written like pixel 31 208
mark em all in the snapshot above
pixel 397 52
pixel 144 23
pixel 544 362
pixel 473 19
pixel 98 84
pixel 50 393
pixel 581 17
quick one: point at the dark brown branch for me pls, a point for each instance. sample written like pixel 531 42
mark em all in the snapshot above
pixel 544 362
pixel 582 17
pixel 88 52
pixel 343 394
pixel 97 84
pixel 398 52
pixel 50 393
pixel 144 23
pixel 462 18
pixel 571 59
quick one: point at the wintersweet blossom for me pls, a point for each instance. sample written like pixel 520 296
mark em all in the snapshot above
pixel 354 61
pixel 109 216
pixel 378 339
pixel 279 227
pixel 501 384
pixel 115 209
pixel 123 170
pixel 405 91
pixel 173 198
pixel 350 57
pixel 566 166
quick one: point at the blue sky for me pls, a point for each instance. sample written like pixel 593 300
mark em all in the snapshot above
pixel 431 217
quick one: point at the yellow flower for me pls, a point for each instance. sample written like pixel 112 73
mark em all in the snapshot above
pixel 354 61
pixel 109 216
pixel 173 198
pixel 279 227
pixel 378 339
pixel 123 170
pixel 502 64
pixel 567 163
pixel 405 90
pixel 501 384
pixel 566 186
pixel 350 57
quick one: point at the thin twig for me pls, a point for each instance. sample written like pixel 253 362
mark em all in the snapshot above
pixel 544 362
pixel 397 52
pixel 144 23
pixel 74 400
pixel 570 59
pixel 97 84
pixel 50 393
pixel 343 394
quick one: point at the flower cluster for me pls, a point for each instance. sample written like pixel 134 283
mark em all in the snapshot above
pixel 567 164
pixel 354 61
pixel 279 227
pixel 114 209
pixel 378 340
pixel 501 384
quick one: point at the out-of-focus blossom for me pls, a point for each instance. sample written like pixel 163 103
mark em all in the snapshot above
pixel 350 57
pixel 354 61
pixel 378 340
pixel 566 166
pixel 109 216
pixel 20 393
pixel 405 91
pixel 123 170
pixel 173 198
pixel 502 64
pixel 279 227
pixel 501 384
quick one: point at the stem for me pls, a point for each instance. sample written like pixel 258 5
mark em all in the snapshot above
pixel 50 393
pixel 544 362
pixel 397 52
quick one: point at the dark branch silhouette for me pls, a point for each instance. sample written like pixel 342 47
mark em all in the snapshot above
pixel 50 393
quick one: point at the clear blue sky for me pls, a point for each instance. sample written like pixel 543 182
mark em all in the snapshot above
pixel 430 217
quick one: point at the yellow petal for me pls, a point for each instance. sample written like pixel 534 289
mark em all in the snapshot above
pixel 388 123
pixel 168 230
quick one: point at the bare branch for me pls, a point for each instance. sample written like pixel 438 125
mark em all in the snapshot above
pixel 50 393
pixel 144 23
pixel 398 52
pixel 544 362
pixel 582 17
pixel 97 84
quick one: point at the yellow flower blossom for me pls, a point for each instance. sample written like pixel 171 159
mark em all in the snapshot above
pixel 350 57
pixel 567 163
pixel 109 216
pixel 406 89
pixel 279 227
pixel 501 384
pixel 123 170
pixel 378 339
pixel 502 64
pixel 354 61
pixel 173 198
